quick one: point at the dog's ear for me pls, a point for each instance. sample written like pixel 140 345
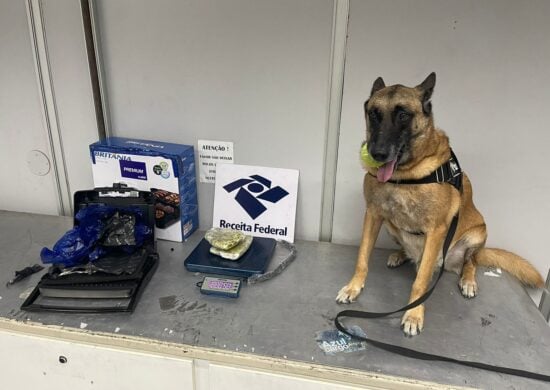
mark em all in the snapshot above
pixel 377 86
pixel 428 84
pixel 426 88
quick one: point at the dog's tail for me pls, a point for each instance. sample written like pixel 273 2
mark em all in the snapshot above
pixel 514 264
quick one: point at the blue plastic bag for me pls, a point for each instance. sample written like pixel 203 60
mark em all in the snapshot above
pixel 84 242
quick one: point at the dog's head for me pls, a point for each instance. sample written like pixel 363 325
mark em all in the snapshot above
pixel 398 117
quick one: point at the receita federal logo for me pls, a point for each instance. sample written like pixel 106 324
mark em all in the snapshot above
pixel 253 189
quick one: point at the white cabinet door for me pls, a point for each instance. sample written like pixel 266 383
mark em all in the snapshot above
pixel 28 362
pixel 238 378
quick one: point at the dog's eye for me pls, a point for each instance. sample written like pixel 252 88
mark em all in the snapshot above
pixel 403 116
pixel 373 115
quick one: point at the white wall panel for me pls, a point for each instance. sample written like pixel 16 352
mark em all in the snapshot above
pixel 492 59
pixel 21 125
pixel 254 72
pixel 73 91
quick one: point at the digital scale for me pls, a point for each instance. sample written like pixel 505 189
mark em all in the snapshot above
pixel 254 261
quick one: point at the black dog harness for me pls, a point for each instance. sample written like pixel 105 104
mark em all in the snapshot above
pixel 450 173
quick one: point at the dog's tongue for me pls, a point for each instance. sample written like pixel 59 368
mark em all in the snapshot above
pixel 385 171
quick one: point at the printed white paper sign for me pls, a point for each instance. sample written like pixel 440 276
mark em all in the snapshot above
pixel 210 154
pixel 259 201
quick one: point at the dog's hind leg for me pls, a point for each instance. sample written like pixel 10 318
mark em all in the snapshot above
pixel 475 239
pixel 397 258
pixel 468 284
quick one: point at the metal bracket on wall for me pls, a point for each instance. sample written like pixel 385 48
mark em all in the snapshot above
pixel 49 108
pixel 97 77
pixel 334 112
pixel 544 305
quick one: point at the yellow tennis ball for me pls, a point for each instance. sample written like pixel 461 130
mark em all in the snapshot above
pixel 367 158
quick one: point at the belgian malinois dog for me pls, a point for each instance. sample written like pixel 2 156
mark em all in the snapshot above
pixel 401 134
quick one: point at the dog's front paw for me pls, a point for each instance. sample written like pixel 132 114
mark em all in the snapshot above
pixel 348 293
pixel 468 288
pixel 396 259
pixel 413 321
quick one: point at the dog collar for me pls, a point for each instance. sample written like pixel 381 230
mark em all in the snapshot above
pixel 448 172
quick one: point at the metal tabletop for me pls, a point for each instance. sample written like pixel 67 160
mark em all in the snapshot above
pixel 281 317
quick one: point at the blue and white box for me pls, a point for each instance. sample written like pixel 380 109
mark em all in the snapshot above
pixel 166 169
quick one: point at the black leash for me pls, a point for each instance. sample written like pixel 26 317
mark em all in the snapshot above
pixel 451 173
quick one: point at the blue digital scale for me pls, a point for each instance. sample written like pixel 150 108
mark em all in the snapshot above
pixel 254 261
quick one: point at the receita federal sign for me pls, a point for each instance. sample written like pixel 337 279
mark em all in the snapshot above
pixel 260 201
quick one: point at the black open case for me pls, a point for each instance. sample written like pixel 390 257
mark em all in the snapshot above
pixel 112 283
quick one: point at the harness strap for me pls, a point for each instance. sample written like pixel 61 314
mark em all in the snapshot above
pixel 451 173
pixel 448 172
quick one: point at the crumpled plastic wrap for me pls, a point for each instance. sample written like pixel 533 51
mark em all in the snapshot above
pixel 111 265
pixel 100 229
pixel 120 230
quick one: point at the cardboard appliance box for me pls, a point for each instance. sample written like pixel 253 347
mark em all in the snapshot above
pixel 166 169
